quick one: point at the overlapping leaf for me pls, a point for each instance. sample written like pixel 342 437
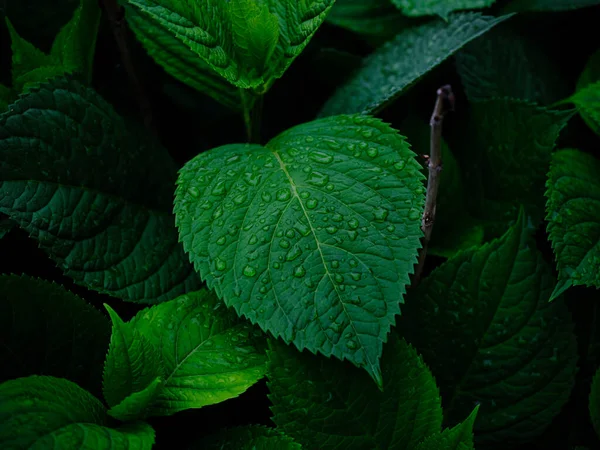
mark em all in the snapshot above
pixel 399 63
pixel 46 413
pixel 186 353
pixel 249 43
pixel 497 341
pixel 573 214
pixel 323 404
pixel 313 236
pixel 95 196
pixel 438 7
pixel 46 330
pixel 252 437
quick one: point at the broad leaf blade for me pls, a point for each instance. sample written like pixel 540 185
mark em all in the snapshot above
pixel 573 214
pixel 208 354
pixel 132 365
pixel 587 101
pixel 324 404
pixel 96 197
pixel 46 330
pixel 459 437
pixel 442 8
pixel 137 405
pixel 313 236
pixel 45 412
pixel 179 61
pixel 497 340
pixel 399 63
pixel 250 437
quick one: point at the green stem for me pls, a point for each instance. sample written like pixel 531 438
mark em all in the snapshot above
pixel 252 109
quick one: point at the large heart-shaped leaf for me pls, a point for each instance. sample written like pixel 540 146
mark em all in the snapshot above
pixel 312 236
pixel 249 43
pixel 96 196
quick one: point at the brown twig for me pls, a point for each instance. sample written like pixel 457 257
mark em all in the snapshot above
pixel 443 104
pixel 116 17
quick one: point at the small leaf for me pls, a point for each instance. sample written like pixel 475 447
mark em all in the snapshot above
pixel 312 236
pixel 179 61
pixel 441 8
pixel 591 71
pixel 132 365
pixel 497 340
pixel 549 5
pixel 47 330
pixel 45 413
pixel 399 63
pixel 594 403
pixel 137 405
pixel 322 403
pixel 95 196
pixel 587 101
pixel 458 438
pixel 250 437
pixel 573 214
pixel 208 354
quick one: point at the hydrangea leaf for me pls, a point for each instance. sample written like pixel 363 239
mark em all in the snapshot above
pixel 587 101
pixel 324 404
pixel 95 196
pixel 40 412
pixel 179 61
pixel 312 236
pixel 591 71
pixel 498 342
pixel 440 8
pixel 47 330
pixel 248 43
pixel 399 63
pixel 460 437
pixel 573 214
pixel 251 437
pixel 203 354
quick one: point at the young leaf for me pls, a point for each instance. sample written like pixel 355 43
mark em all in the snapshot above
pixel 239 44
pixel 46 412
pixel 47 330
pixel 208 354
pixel 132 365
pixel 95 196
pixel 458 438
pixel 179 61
pixel 441 8
pixel 137 405
pixel 587 101
pixel 573 214
pixel 249 437
pixel 324 404
pixel 399 63
pixel 506 160
pixel 376 18
pixel 549 5
pixel 313 236
pixel 497 340
pixel 504 63
pixel 594 403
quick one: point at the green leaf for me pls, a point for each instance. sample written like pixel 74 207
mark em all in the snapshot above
pixel 137 405
pixel 179 61
pixel 376 18
pixel 46 330
pixel 498 342
pixel 458 438
pixel 504 63
pixel 76 42
pixel 95 196
pixel 587 101
pixel 506 158
pixel 573 214
pixel 209 355
pixel 312 236
pixel 132 365
pixel 440 8
pixel 591 72
pixel 52 413
pixel 454 229
pixel 250 437
pixel 324 404
pixel 594 403
pixel 399 63
pixel 549 5
pixel 239 39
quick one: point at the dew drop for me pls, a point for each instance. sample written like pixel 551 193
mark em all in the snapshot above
pixel 338 278
pixel 290 233
pixel 194 192
pixel 351 345
pixel 312 203
pixel 294 252
pixel 253 240
pixel 284 243
pixel 219 188
pixel 317 179
pixel 414 214
pixel 372 152
pixel 321 157
pixel 283 195
pixel 356 276
pixel 221 240
pixel 266 196
pixel 335 264
pixel 380 214
pixel 400 165
pixel 299 272
pixel 249 271
pixel 353 224
pixel 220 264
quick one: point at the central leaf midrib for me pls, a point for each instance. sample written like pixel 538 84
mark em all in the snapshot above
pixel 295 194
